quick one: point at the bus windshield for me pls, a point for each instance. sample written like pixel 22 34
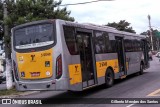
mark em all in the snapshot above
pixel 33 36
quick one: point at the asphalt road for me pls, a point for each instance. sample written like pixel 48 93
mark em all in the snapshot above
pixel 134 86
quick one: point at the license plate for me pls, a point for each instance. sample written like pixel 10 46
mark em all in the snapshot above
pixel 35 74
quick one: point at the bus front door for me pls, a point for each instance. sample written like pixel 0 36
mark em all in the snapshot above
pixel 86 58
pixel 121 56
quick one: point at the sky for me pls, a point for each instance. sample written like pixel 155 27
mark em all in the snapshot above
pixel 133 11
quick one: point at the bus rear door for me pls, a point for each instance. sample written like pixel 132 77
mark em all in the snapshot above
pixel 87 58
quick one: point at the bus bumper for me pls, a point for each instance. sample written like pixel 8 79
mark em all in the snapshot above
pixel 37 86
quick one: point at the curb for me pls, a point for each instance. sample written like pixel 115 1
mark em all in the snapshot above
pixel 21 94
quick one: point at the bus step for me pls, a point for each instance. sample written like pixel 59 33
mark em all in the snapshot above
pixel 84 88
pixel 124 76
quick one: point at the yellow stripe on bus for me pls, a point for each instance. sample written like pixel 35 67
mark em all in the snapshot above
pixel 103 65
pixel 75 73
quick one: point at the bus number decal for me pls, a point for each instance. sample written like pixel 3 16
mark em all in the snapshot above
pixel 45 54
pixel 102 64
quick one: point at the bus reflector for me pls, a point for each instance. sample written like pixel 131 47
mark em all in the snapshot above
pixel 58 67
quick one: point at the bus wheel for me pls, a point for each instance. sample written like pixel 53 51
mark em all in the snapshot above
pixel 141 69
pixel 109 78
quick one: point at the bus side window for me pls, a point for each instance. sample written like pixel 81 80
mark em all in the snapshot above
pixel 112 43
pixel 99 42
pixel 126 45
pixel 69 34
pixel 107 42
pixel 102 42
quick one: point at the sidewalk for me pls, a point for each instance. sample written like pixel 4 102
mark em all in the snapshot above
pixel 20 95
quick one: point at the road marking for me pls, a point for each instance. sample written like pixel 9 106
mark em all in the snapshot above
pixel 155 93
pixel 130 105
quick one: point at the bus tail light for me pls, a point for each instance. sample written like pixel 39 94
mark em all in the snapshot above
pixel 58 67
pixel 15 71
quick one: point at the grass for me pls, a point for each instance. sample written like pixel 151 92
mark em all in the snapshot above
pixel 9 92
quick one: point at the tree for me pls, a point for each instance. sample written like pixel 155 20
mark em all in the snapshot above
pixel 122 25
pixel 22 11
pixel 157 34
pixel 145 33
pixel 155 37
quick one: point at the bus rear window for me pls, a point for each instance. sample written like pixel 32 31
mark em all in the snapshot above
pixel 34 36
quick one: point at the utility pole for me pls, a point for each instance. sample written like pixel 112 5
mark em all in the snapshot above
pixel 151 36
pixel 158 44
pixel 9 80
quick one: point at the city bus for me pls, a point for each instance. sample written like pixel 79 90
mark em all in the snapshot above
pixel 54 54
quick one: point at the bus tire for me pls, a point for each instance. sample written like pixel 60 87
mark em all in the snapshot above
pixel 141 69
pixel 109 78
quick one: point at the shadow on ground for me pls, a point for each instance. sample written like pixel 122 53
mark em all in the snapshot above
pixel 71 97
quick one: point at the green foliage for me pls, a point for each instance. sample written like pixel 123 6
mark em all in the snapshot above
pixel 21 20
pixel 145 33
pixel 155 37
pixel 157 33
pixel 23 11
pixel 1 10
pixel 7 21
pixel 12 91
pixel 122 25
